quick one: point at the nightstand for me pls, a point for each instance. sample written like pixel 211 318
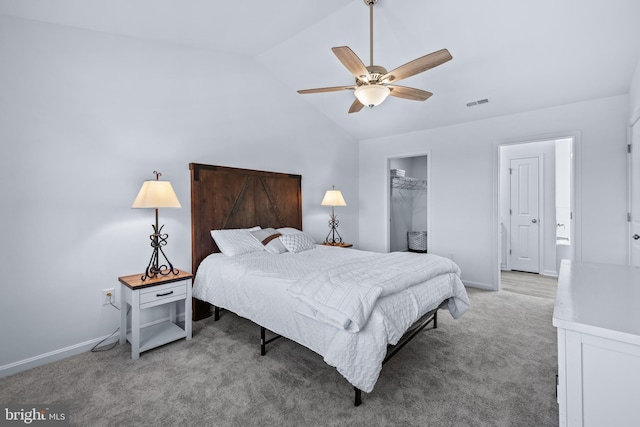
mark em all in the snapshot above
pixel 140 295
pixel 340 245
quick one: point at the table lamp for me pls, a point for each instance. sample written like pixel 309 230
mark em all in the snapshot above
pixel 156 194
pixel 333 198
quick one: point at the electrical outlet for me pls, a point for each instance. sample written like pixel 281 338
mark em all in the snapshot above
pixel 108 296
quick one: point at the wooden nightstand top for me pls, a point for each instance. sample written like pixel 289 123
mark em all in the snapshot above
pixel 135 281
pixel 340 245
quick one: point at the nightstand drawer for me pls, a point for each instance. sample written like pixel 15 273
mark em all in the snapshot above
pixel 163 293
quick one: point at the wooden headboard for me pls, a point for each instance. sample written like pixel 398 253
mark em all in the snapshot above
pixel 224 197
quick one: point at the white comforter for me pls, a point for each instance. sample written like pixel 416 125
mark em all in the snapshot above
pixel 345 295
pixel 256 286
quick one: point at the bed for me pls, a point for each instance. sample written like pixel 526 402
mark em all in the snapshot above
pixel 293 293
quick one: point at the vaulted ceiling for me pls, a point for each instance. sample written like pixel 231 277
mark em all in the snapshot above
pixel 520 55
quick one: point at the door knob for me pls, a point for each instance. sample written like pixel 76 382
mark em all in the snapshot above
pixel 534 220
pixel 635 237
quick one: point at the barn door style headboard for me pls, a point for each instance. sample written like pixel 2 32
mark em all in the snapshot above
pixel 224 197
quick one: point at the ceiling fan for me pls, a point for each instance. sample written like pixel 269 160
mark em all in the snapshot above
pixel 373 81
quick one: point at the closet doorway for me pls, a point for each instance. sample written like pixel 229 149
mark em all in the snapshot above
pixel 408 203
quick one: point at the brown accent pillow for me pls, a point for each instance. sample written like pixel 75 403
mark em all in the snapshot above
pixel 269 238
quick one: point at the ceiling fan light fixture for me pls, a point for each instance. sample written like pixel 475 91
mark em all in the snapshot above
pixel 372 95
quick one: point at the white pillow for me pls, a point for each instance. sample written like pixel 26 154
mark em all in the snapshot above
pixel 269 238
pixel 288 230
pixel 297 242
pixel 236 241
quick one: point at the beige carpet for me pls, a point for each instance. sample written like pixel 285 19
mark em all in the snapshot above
pixel 495 366
pixel 531 284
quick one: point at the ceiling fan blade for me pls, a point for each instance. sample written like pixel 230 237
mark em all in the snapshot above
pixel 417 66
pixel 356 106
pixel 409 93
pixel 326 89
pixel 350 60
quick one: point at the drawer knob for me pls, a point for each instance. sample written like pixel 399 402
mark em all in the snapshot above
pixel 165 294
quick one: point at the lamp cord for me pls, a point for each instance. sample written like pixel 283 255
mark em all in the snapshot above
pixel 96 348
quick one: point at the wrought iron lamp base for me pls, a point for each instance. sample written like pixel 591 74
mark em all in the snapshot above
pixel 155 269
pixel 331 237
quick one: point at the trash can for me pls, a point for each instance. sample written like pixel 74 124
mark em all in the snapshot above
pixel 417 241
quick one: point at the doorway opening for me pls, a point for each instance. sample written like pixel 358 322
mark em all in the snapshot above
pixel 536 205
pixel 408 203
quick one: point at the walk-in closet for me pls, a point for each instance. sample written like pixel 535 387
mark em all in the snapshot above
pixel 408 213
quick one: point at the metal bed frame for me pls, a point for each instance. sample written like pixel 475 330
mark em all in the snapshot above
pixel 392 350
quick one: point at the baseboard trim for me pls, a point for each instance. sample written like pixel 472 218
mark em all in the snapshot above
pixel 63 353
pixel 479 285
pixel 52 356
pixel 550 273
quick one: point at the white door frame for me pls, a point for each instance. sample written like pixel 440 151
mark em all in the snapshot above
pixel 576 173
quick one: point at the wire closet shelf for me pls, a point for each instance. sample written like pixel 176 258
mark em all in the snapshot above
pixel 406 183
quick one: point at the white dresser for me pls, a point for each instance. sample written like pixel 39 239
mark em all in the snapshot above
pixel 597 313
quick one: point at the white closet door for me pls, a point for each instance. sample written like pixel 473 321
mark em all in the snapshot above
pixel 635 194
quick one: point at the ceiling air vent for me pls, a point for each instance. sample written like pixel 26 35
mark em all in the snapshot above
pixel 478 102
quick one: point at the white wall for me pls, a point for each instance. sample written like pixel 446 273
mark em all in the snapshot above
pixel 634 94
pixel 463 187
pixel 85 117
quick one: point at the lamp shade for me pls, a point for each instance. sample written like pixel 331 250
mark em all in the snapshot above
pixel 333 198
pixel 156 194
pixel 372 95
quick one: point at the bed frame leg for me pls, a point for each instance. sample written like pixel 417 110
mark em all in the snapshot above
pixel 357 401
pixel 216 313
pixel 264 341
pixel 435 320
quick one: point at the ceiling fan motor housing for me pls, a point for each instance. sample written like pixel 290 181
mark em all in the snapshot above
pixel 375 73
